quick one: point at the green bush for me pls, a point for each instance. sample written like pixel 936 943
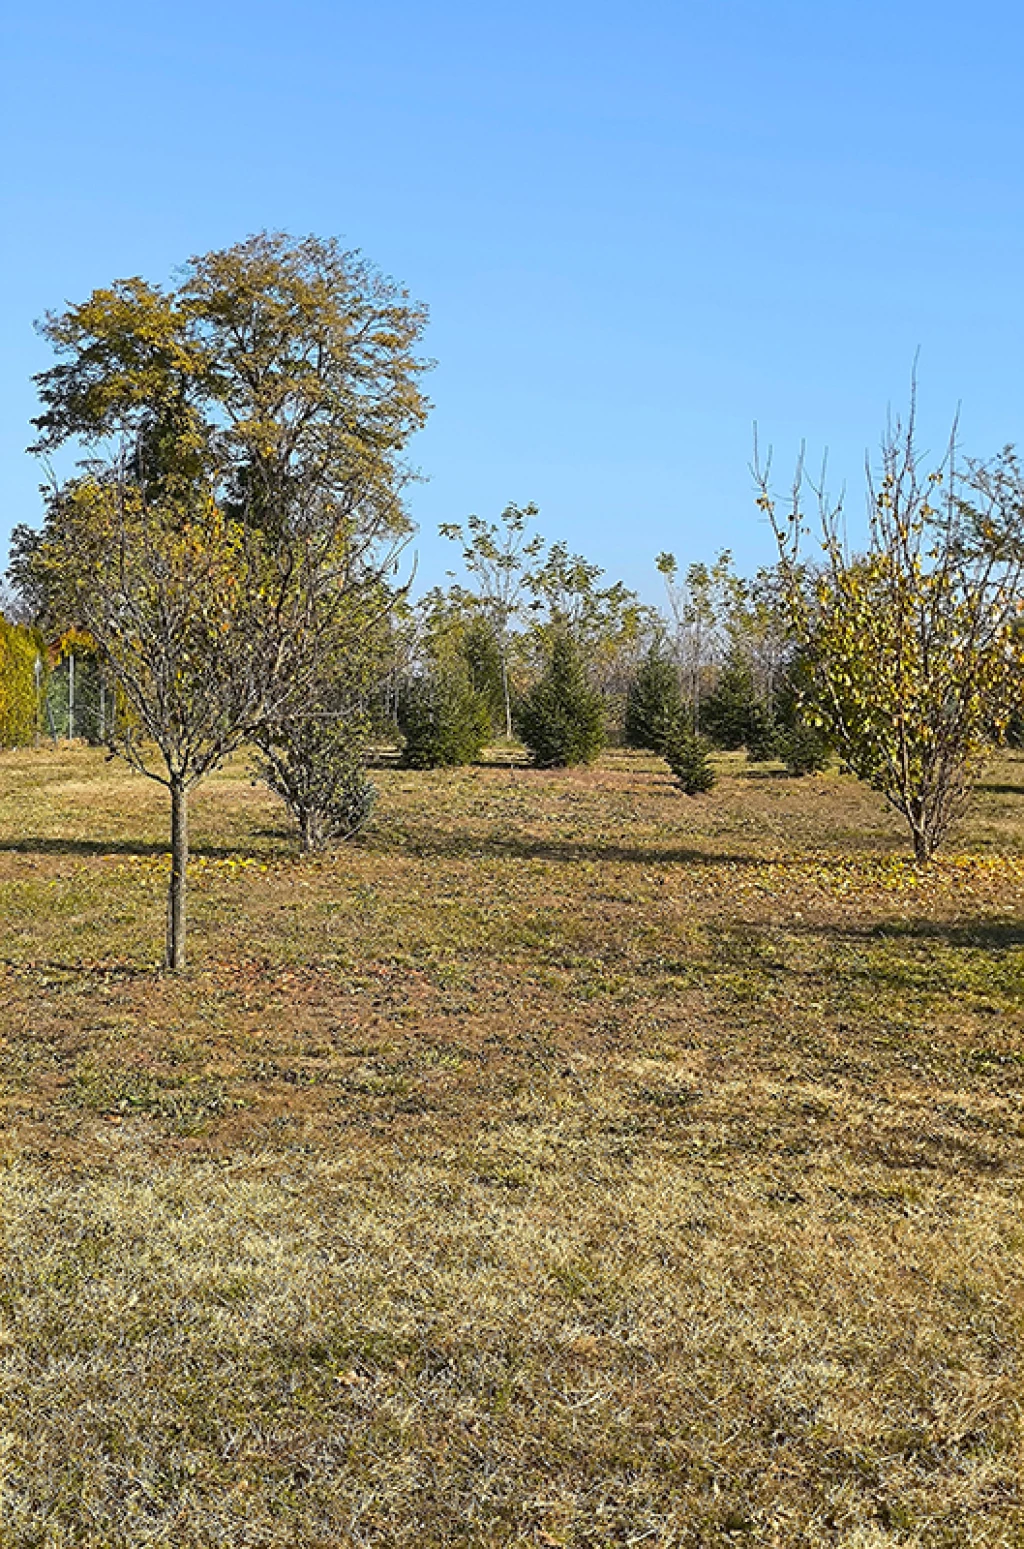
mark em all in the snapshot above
pixel 561 718
pixel 317 767
pixel 804 749
pixel 687 755
pixel 654 702
pixel 482 654
pixel 443 719
pixel 764 737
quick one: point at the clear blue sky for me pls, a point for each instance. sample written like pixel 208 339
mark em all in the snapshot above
pixel 638 228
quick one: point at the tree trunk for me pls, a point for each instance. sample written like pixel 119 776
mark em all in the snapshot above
pixel 175 955
pixel 507 696
pixel 311 830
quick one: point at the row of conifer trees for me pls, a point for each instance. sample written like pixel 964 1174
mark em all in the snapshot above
pixel 444 712
pixel 447 714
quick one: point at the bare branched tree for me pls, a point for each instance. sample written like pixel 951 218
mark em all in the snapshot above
pixel 242 489
pixel 913 644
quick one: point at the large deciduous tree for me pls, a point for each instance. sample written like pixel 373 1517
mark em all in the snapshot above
pixel 911 648
pixel 240 490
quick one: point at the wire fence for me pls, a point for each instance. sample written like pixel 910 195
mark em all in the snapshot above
pixel 74 701
pixel 45 698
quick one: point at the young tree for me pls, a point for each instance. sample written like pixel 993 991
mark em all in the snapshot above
pixel 442 718
pixel 699 604
pixel 687 754
pixel 454 626
pixel 449 702
pixel 654 702
pixel 499 556
pixel 913 646
pixel 244 433
pixel 561 718
pixel 728 713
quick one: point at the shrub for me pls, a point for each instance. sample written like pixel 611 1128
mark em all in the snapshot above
pixel 654 702
pixel 481 650
pixel 805 749
pixel 764 738
pixel 686 754
pixel 317 767
pixel 443 719
pixel 561 719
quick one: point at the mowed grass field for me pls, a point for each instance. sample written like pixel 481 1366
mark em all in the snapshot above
pixel 565 1162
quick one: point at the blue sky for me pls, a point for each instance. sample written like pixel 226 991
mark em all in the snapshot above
pixel 638 229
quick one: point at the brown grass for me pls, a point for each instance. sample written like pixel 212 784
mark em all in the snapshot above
pixel 565 1163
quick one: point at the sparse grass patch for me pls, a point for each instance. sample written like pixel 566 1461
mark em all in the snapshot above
pixel 564 1162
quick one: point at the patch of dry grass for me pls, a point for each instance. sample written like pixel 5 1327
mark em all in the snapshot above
pixel 565 1163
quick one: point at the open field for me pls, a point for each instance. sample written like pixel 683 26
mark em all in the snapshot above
pixel 564 1163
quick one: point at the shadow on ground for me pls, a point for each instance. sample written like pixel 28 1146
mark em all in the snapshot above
pixel 35 844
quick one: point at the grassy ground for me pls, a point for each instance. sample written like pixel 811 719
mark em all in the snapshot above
pixel 565 1163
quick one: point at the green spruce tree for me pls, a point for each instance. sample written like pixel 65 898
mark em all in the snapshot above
pixel 687 755
pixel 443 719
pixel 654 701
pixel 561 719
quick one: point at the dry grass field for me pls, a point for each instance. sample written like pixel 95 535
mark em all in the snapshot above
pixel 566 1162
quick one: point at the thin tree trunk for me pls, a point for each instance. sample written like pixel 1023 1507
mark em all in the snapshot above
pixel 175 955
pixel 39 699
pixel 507 696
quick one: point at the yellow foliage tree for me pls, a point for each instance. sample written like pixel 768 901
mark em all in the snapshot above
pixel 913 646
pixel 244 435
pixel 21 668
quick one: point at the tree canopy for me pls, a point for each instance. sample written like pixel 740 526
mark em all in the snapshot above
pixel 241 489
pixel 912 649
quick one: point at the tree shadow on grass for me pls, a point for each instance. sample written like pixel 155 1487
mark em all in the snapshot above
pixel 35 844
pixel 990 935
pixel 765 772
pixel 568 851
pixel 71 970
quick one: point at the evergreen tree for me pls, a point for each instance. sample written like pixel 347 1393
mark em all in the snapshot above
pixel 443 719
pixel 687 755
pixel 728 714
pixel 764 739
pixel 804 746
pixel 561 719
pixel 654 702
pixel 485 663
